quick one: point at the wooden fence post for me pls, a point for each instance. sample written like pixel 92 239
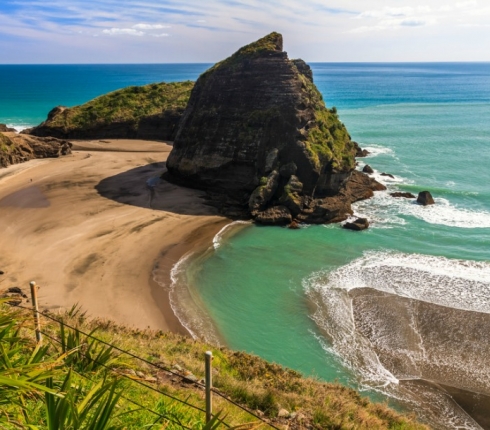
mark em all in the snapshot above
pixel 37 322
pixel 209 385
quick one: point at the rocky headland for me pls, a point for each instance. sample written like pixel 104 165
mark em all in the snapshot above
pixel 257 136
pixel 150 112
pixel 17 148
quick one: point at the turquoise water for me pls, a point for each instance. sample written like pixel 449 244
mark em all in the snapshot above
pixel 281 294
pixel 284 294
pixel 29 92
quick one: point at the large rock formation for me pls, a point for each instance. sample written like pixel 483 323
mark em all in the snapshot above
pixel 16 148
pixel 147 112
pixel 256 135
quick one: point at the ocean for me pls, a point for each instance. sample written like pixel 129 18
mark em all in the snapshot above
pixel 400 311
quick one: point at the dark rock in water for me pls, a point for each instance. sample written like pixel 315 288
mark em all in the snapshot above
pixel 359 151
pixel 367 169
pixel 276 215
pixel 4 128
pixel 357 225
pixel 389 175
pixel 425 198
pixel 326 210
pixel 400 194
pixel 17 148
pixel 360 187
pixel 294 225
pixel 145 112
pixel 257 131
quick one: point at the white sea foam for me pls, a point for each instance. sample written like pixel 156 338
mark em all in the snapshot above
pixel 375 150
pixel 218 239
pixel 385 210
pixel 335 316
pixel 459 284
pixel 19 127
pixel 186 306
pixel 177 270
pixel 452 283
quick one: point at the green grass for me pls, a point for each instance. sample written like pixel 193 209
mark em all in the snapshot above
pixel 127 104
pixel 41 387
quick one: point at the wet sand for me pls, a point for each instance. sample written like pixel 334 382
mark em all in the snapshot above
pixel 440 355
pixel 89 230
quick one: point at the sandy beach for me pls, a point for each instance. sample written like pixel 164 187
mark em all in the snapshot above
pixel 89 229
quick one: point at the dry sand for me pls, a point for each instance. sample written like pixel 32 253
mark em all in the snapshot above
pixel 88 229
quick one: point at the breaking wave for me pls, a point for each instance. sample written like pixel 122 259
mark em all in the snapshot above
pixel 399 320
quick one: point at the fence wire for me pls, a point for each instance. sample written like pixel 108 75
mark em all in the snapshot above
pixel 155 365
pixel 166 418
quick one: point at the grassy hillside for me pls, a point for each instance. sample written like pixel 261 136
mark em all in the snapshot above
pixel 103 385
pixel 136 111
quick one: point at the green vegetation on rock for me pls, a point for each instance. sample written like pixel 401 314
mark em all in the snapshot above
pixel 270 43
pixel 127 104
pixel 5 143
pixel 147 112
pixel 328 140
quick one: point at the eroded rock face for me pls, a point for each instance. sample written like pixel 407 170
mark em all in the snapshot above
pixel 17 148
pixel 257 131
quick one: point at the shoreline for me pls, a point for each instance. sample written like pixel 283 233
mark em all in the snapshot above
pixel 89 230
pixel 197 241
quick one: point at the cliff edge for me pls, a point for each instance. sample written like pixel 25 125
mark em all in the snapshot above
pixel 256 134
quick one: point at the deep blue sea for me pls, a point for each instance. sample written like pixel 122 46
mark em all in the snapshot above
pixel 385 310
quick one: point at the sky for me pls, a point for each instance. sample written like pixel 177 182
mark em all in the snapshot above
pixel 206 31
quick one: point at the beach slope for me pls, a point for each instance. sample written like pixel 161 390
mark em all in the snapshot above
pixel 90 227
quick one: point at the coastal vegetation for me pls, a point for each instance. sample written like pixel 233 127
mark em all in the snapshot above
pixel 6 144
pixel 73 381
pixel 270 43
pixel 136 111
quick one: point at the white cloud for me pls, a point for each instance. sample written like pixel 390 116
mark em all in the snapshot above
pixel 150 26
pixel 343 30
pixel 137 30
pixel 395 18
pixel 123 31
pixel 413 22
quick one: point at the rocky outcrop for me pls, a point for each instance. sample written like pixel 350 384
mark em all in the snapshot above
pixel 368 169
pixel 17 148
pixel 359 151
pixel 4 128
pixel 425 198
pixel 357 225
pixel 257 136
pixel 147 112
pixel 401 194
pixel 388 175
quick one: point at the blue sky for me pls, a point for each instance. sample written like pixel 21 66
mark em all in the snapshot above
pixel 169 31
